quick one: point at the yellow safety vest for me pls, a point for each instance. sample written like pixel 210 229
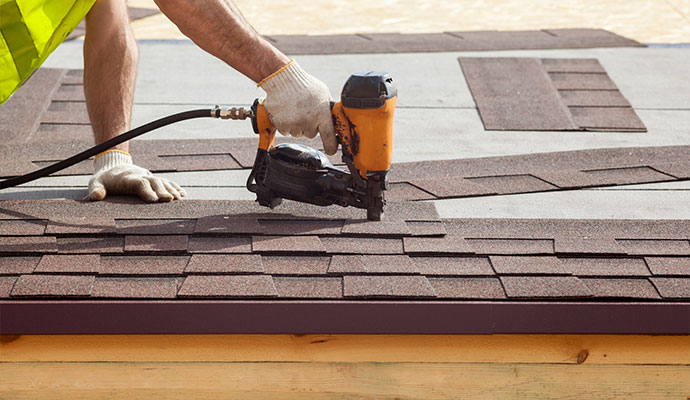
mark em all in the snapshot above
pixel 31 30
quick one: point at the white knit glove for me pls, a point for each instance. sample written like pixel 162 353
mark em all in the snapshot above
pixel 299 105
pixel 114 173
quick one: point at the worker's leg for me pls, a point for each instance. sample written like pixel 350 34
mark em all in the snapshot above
pixel 110 66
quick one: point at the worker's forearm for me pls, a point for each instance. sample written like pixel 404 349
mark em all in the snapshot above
pixel 218 27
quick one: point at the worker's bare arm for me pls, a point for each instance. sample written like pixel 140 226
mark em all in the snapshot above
pixel 218 27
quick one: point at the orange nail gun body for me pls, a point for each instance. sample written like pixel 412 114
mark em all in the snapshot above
pixel 363 121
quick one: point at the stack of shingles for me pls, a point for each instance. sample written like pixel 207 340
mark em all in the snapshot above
pixel 226 249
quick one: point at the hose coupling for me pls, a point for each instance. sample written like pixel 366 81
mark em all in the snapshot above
pixel 231 112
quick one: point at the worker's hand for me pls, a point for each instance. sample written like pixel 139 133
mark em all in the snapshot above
pixel 116 174
pixel 300 105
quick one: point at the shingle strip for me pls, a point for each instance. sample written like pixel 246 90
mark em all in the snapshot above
pixel 155 226
pixel 655 246
pixel 390 286
pixel 673 288
pixel 454 266
pixel 309 287
pixel 449 41
pixel 224 264
pixel 72 264
pixel 244 286
pixel 28 244
pixel 157 243
pixel 220 245
pixel 468 288
pixel 669 265
pixel 590 266
pixel 82 245
pixel 621 288
pixel 18 265
pixel 295 265
pixel 506 265
pixel 135 288
pixel 282 244
pixel 53 286
pixel 143 265
pixel 544 287
pixel 24 227
pixel 6 285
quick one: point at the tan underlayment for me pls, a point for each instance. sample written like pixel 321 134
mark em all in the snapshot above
pixel 647 21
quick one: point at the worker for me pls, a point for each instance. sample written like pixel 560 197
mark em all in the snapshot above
pixel 298 103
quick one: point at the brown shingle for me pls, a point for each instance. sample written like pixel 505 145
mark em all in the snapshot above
pixel 453 186
pixel 143 265
pixel 403 191
pixel 350 264
pixel 28 244
pixel 625 176
pixel 228 286
pixel 583 266
pixel 427 228
pixel 356 245
pixel 528 265
pixel 621 288
pixel 225 263
pixel 463 266
pixel 673 288
pixel 165 243
pixel 544 286
pixel 302 227
pixel 513 184
pixel 53 285
pixel 582 81
pixel 154 226
pixel 63 263
pixel 135 288
pixel 607 119
pixel 277 244
pixel 388 226
pixel 526 100
pixel 22 227
pixel 295 265
pixel 228 224
pixel 311 287
pixel 90 244
pixel 468 288
pixel 579 245
pixel 220 245
pixel 389 264
pixel 449 244
pixel 18 265
pixel 580 65
pixel 387 286
pixel 71 225
pixel 664 265
pixel 511 246
pixel 655 247
pixel 6 285
pixel 590 98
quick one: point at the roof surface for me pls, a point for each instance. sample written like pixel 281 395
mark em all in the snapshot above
pixel 208 265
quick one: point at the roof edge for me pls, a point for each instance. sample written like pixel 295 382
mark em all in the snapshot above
pixel 352 317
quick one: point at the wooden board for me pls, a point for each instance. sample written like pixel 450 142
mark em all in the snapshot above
pixel 560 349
pixel 340 381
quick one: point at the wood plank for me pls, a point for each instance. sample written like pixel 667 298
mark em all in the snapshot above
pixel 340 381
pixel 590 349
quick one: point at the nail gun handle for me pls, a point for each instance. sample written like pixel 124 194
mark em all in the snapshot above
pixel 261 122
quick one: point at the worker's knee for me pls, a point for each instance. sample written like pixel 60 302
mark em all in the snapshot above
pixel 108 18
